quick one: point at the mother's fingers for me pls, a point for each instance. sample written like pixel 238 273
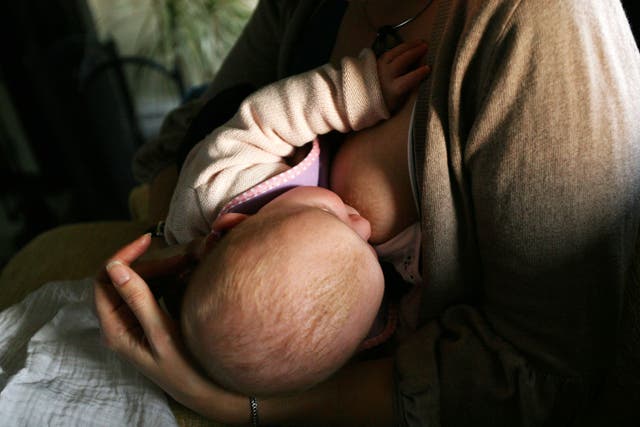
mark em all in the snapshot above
pixel 105 297
pixel 169 266
pixel 136 294
pixel 132 251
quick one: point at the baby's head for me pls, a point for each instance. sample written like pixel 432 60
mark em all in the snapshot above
pixel 286 297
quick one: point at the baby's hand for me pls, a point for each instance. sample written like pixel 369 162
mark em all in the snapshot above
pixel 400 71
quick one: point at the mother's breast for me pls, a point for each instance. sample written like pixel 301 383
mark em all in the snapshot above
pixel 370 173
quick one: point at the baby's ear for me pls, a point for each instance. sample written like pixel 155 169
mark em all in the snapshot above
pixel 227 221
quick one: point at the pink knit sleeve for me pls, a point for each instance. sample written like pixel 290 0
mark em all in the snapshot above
pixel 268 127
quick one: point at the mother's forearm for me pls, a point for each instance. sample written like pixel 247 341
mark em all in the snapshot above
pixel 358 395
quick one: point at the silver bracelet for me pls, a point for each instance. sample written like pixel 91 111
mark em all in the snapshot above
pixel 253 408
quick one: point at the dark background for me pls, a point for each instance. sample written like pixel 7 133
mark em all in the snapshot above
pixel 68 125
pixel 68 128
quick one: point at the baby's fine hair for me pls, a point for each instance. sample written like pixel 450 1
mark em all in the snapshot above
pixel 267 310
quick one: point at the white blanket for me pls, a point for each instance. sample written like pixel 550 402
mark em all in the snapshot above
pixel 55 371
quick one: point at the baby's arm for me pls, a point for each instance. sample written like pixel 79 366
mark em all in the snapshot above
pixel 274 121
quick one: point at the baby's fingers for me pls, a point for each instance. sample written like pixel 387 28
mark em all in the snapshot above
pixel 393 53
pixel 406 82
pixel 404 57
pixel 399 71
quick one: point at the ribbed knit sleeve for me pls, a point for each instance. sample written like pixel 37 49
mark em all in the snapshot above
pixel 530 203
pixel 267 128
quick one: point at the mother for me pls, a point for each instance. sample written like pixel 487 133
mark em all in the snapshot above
pixel 525 162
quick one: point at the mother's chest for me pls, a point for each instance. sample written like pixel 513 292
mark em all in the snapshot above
pixel 370 172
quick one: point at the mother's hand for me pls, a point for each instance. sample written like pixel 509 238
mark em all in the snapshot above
pixel 136 328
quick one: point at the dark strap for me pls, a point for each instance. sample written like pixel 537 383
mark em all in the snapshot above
pixel 316 42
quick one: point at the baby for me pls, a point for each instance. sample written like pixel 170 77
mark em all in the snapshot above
pixel 286 297
pixel 291 290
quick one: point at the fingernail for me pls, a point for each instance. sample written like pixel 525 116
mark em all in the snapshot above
pixel 118 273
